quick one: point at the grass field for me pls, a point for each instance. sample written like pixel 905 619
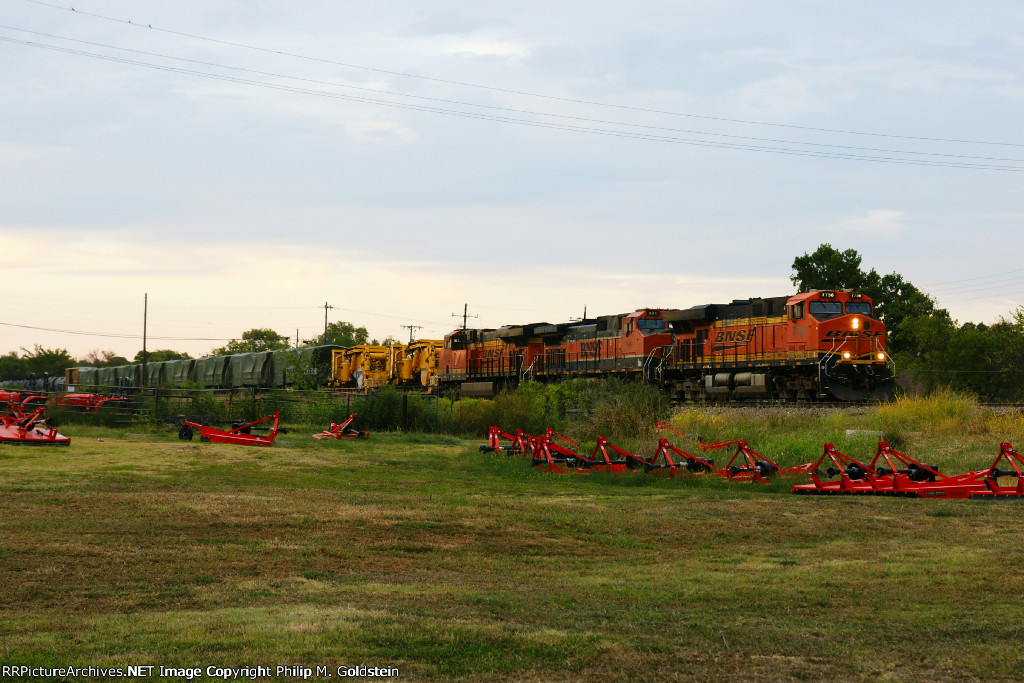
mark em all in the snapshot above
pixel 417 552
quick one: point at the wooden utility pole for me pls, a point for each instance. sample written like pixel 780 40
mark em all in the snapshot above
pixel 411 328
pixel 145 317
pixel 465 315
pixel 326 307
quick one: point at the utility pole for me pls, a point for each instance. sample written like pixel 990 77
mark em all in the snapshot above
pixel 145 317
pixel 296 337
pixel 411 328
pixel 326 307
pixel 465 314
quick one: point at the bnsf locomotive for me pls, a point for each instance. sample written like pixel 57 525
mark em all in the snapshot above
pixel 822 345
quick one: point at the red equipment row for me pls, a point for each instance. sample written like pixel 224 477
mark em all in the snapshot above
pixel 891 473
pixel 548 455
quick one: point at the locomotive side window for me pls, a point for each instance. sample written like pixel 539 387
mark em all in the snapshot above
pixel 825 310
pixel 796 311
pixel 861 307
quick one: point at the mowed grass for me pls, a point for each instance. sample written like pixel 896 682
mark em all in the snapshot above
pixel 420 553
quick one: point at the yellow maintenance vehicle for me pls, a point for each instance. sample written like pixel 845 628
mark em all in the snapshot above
pixel 366 367
pixel 417 365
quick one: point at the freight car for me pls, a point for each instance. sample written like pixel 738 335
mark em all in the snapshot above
pixel 407 366
pixel 823 345
pixel 265 369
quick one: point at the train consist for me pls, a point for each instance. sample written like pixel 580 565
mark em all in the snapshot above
pixel 821 345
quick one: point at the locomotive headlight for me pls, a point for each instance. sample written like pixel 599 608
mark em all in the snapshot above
pixel 856 323
pixel 846 355
pixel 881 356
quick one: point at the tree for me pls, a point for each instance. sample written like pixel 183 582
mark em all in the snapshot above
pixel 259 339
pixel 161 355
pixel 42 361
pixel 102 359
pixel 342 334
pixel 12 366
pixel 829 268
pixel 388 341
pixel 985 360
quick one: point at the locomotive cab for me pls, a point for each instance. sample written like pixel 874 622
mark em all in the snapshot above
pixel 841 326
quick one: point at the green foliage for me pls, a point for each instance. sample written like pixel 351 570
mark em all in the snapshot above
pixel 342 334
pixel 103 359
pixel 944 411
pixel 160 355
pixel 38 361
pixel 985 360
pixel 828 268
pixel 259 339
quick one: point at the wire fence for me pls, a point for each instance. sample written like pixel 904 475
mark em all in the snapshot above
pixel 380 410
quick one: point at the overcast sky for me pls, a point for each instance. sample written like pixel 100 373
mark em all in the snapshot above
pixel 245 162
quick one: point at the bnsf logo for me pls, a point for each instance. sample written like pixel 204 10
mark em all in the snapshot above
pixel 590 349
pixel 850 334
pixel 734 336
pixel 492 353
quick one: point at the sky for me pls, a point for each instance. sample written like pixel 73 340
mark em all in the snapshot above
pixel 242 164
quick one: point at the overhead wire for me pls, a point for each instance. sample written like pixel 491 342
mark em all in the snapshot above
pixel 527 122
pixel 149 26
pixel 511 110
pixel 114 335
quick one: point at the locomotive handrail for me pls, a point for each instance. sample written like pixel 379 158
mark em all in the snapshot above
pixel 526 371
pixel 647 363
pixel 889 362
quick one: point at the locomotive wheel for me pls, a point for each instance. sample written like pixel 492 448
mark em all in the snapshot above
pixel 185 433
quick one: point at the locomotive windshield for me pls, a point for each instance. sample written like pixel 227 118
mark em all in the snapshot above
pixel 862 307
pixel 825 310
pixel 650 324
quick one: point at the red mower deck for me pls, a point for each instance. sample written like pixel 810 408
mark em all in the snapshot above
pixel 240 434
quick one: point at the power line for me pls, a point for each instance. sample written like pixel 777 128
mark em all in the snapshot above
pixel 509 109
pixel 149 26
pixel 111 334
pixel 979 277
pixel 537 124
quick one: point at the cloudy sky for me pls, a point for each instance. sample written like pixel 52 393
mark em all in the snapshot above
pixel 245 162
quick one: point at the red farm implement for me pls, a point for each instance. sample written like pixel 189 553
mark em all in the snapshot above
pixel 552 457
pixel 24 428
pixel 520 441
pixel 993 474
pixel 670 461
pixel 91 403
pixel 349 429
pixel 752 465
pixel 891 473
pixel 15 402
pixel 239 433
